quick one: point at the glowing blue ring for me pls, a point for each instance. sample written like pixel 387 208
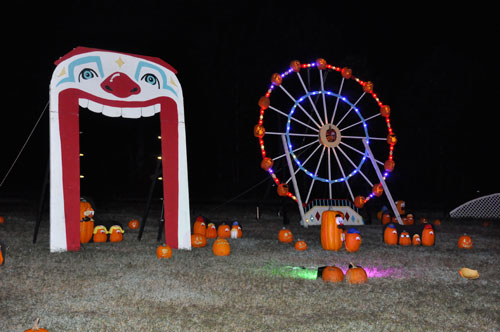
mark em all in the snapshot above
pixel 290 148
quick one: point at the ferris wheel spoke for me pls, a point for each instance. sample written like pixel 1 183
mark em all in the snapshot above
pixel 350 109
pixel 292 118
pixel 291 134
pixel 355 166
pixel 307 159
pixel 329 176
pixel 315 174
pixel 309 97
pixel 343 174
pixel 338 99
pixel 323 94
pixel 363 137
pixel 360 152
pixel 360 122
pixel 300 106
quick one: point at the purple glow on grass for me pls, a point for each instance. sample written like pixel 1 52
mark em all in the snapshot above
pixel 378 272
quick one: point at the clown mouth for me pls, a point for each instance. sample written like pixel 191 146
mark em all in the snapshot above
pixel 114 111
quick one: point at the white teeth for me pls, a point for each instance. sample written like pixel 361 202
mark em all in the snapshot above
pixel 131 113
pixel 113 112
pixel 126 112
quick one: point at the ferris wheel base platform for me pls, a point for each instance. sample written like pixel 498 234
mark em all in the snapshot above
pixel 314 210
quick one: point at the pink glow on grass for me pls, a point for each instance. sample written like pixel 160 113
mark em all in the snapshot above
pixel 379 272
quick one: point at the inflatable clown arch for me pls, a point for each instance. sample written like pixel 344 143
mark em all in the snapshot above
pixel 115 85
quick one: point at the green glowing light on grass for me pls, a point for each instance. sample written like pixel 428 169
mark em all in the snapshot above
pixel 297 272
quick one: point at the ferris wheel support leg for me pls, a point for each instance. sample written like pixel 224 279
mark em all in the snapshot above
pixel 382 181
pixel 294 181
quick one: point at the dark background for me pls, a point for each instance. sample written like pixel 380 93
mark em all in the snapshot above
pixel 436 68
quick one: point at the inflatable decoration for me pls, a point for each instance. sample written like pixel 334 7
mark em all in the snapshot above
pixel 115 85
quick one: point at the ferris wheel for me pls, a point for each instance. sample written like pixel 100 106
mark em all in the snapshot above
pixel 325 133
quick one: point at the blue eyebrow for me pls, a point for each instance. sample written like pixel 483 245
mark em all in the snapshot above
pixel 158 69
pixel 81 61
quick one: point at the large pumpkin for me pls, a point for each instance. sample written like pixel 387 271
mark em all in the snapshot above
pixel 211 232
pixel 221 247
pixel 86 210
pixel 200 226
pixel 390 235
pixel 86 230
pixel 332 274
pixel 285 235
pixel 116 233
pixel 428 236
pixel 465 242
pixel 352 240
pixel 332 230
pixel 198 240
pixel 356 275
pixel 223 231
pixel 163 251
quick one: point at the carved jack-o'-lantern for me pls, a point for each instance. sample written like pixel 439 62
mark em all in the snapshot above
pixel 359 202
pixel 116 233
pixel 416 240
pixel 133 224
pixel 346 73
pixel 259 131
pixel 389 165
pixel 221 247
pixel 264 102
pixel 391 139
pixel 266 163
pixel 276 79
pixel 198 240
pixel 321 63
pixel 391 235
pixel 100 234
pixel 224 231
pixel 404 239
pixel 285 235
pixel 385 110
pixel 378 190
pixel 282 189
pixel 300 245
pixel 211 231
pixel 295 65
pixel 352 240
pixel 428 236
pixel 163 251
pixel 465 242
pixel 368 87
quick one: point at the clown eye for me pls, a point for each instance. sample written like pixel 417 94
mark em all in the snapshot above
pixel 86 74
pixel 151 79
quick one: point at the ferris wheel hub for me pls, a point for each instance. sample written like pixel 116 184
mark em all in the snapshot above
pixel 329 135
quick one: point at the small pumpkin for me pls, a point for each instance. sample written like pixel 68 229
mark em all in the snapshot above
pixel 390 235
pixel 133 224
pixel 468 273
pixel 35 327
pixel 437 222
pixel 346 73
pixel 404 239
pixel 428 236
pixel 285 235
pixel 163 251
pixel 400 205
pixel 2 220
pixel 378 190
pixel 236 232
pixel 359 202
pixel 300 245
pixel 386 218
pixel 276 79
pixel 100 234
pixel 416 240
pixel 295 65
pixel 356 274
pixel 2 252
pixel 410 220
pixel 266 163
pixel 200 226
pixel 352 240
pixel 116 233
pixel 332 274
pixel 221 247
pixel 465 242
pixel 282 189
pixel 86 230
pixel 211 232
pixel 223 231
pixel 321 63
pixel 198 240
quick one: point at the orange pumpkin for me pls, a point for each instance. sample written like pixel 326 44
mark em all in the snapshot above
pixel 385 110
pixel 428 236
pixel 100 234
pixel 359 202
pixel 295 65
pixel 389 165
pixel 391 139
pixel 416 240
pixel 390 235
pixel 352 240
pixel 35 327
pixel 223 231
pixel 264 102
pixel 266 163
pixel 236 232
pixel 465 242
pixel 1 255
pixel 86 210
pixel 282 189
pixel 211 232
pixel 332 230
pixel 199 227
pixel 163 251
pixel 409 219
pixel 404 239
pixel 378 190
pixel 301 245
pixel 437 222
pixel 346 73
pixel 368 87
pixel 259 131
pixel 133 224
pixel 400 205
pixel 221 247
pixel 2 220
pixel 285 235
pixel 116 233
pixel 198 240
pixel 276 79
pixel 386 218
pixel 356 275
pixel 332 274
pixel 321 63
pixel 86 230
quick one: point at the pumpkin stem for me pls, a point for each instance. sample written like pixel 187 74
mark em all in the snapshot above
pixel 35 324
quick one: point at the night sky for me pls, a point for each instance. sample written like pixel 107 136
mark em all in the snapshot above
pixel 435 67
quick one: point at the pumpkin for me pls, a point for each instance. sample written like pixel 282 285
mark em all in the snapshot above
pixel 163 251
pixel 352 240
pixel 391 139
pixel 378 190
pixel 86 230
pixel 211 232
pixel 346 72
pixel 332 274
pixel 321 63
pixel 264 102
pixel 409 219
pixel 465 242
pixel 282 189
pixel 133 224
pixel 359 202
pixel 198 240
pixel 100 234
pixel 259 131
pixel 368 87
pixel 416 240
pixel 221 247
pixel 86 210
pixel 389 165
pixel 300 245
pixel 1 255
pixel 2 220
pixel 332 230
pixel 223 231
pixel 200 227
pixel 236 232
pixel 276 79
pixel 116 233
pixel 404 239
pixel 468 273
pixel 295 65
pixel 428 236
pixel 266 163
pixel 390 235
pixel 356 275
pixel 437 222
pixel 386 218
pixel 400 205
pixel 36 328
pixel 285 235
pixel 385 110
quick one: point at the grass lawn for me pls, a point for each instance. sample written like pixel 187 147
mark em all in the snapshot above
pixel 123 286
